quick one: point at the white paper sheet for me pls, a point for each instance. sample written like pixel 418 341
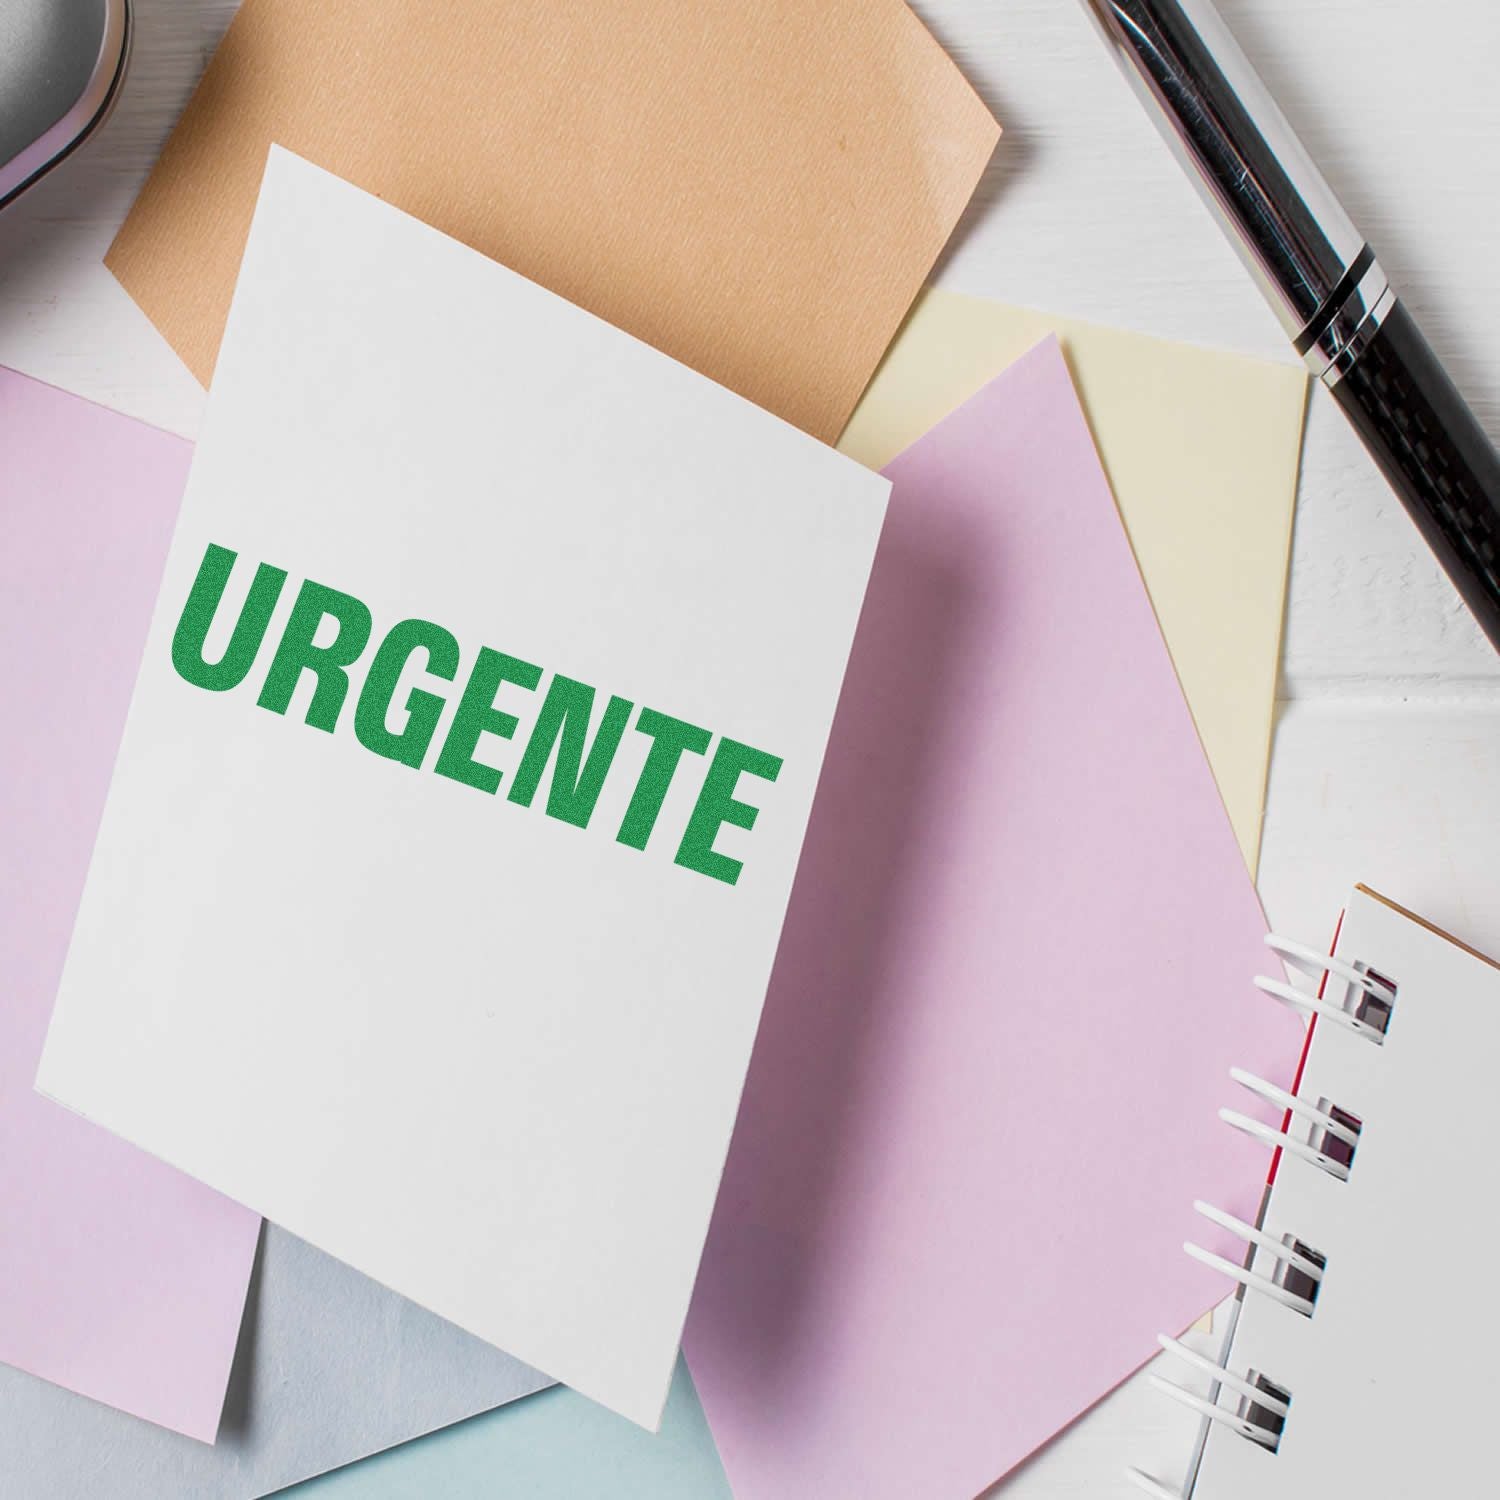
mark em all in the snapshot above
pixel 505 1051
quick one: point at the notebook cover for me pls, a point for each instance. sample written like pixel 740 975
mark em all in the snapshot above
pixel 1387 1395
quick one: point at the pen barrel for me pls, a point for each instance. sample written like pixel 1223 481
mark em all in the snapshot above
pixel 1255 175
pixel 1432 450
pixel 1321 279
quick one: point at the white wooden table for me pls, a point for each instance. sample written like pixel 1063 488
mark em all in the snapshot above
pixel 1387 758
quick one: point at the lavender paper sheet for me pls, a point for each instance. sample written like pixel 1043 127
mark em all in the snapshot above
pixel 1016 969
pixel 121 1279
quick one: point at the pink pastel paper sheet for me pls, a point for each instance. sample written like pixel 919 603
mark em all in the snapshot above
pixel 119 1277
pixel 1015 973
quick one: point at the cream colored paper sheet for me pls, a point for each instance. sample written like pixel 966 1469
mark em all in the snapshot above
pixel 758 189
pixel 1202 450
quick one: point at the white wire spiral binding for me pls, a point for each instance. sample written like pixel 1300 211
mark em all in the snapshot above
pixel 1252 1281
pixel 1270 1136
pixel 1252 1236
pixel 1283 1100
pixel 1300 956
pixel 1326 1125
pixel 1218 1373
pixel 1153 1487
pixel 1214 1412
pixel 1315 1005
pixel 1315 965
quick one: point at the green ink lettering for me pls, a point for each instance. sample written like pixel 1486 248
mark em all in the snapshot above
pixel 669 739
pixel 329 664
pixel 578 777
pixel 423 709
pixel 717 805
pixel 476 714
pixel 203 601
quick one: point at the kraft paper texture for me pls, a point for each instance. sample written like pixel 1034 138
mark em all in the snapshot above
pixel 758 189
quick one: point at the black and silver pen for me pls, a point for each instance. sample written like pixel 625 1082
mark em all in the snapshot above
pixel 1322 279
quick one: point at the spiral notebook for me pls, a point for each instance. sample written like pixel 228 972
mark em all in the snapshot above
pixel 1338 1372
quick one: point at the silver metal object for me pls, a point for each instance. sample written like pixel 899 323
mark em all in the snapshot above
pixel 1322 280
pixel 1349 334
pixel 1262 186
pixel 61 66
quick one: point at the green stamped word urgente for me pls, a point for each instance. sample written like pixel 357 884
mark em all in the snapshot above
pixel 559 732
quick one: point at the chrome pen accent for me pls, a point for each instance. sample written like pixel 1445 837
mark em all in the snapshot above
pixel 1321 279
pixel 1223 125
pixel 1350 327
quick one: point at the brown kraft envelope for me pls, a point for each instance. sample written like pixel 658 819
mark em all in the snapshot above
pixel 756 187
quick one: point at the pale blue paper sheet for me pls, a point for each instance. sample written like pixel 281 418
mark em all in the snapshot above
pixel 330 1367
pixel 552 1446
